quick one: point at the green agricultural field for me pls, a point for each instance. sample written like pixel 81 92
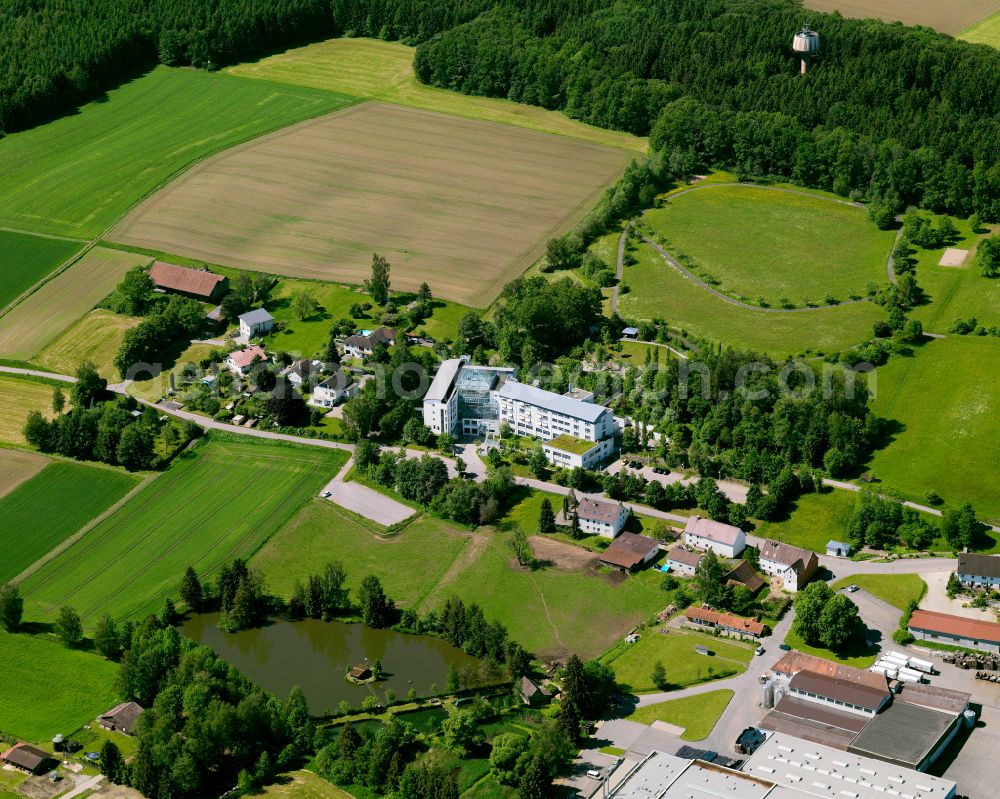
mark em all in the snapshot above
pixel 697 714
pixel 47 688
pixel 220 501
pixel 896 589
pixel 985 32
pixel 77 175
pixel 948 412
pixel 814 520
pixel 42 512
pixel 27 259
pixel 684 667
pixel 659 291
pixel 409 564
pixel 35 322
pixel 765 242
pixel 384 71
pixel 18 398
pixel 95 338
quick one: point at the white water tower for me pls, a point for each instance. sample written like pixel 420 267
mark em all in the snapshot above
pixel 806 44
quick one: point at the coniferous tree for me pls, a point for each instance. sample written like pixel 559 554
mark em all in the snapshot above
pixel 192 593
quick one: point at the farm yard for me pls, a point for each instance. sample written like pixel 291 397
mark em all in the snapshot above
pixel 28 259
pixel 464 205
pixel 47 688
pixel 32 324
pixel 219 501
pixel 772 243
pixel 77 175
pixel 657 290
pixel 95 338
pixel 950 423
pixel 382 70
pixel 952 17
pixel 45 510
pixel 18 398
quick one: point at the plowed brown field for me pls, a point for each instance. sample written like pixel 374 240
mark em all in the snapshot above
pixel 952 16
pixel 463 204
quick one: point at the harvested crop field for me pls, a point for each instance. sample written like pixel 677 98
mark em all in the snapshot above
pixel 95 338
pixel 18 398
pixel 29 326
pixel 17 466
pixel 951 17
pixel 462 204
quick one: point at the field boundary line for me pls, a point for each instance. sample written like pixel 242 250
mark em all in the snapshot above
pixel 63 267
pixel 24 232
pixel 67 543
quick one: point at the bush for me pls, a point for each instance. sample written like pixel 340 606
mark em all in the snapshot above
pixel 902 637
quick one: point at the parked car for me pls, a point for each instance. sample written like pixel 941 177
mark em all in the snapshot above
pixel 325 495
pixel 760 649
pixel 784 647
pixel 852 588
pixel 594 774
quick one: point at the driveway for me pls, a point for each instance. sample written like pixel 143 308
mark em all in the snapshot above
pixel 881 618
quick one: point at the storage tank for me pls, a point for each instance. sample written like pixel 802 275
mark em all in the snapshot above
pixel 969 718
pixel 768 694
pixel 806 44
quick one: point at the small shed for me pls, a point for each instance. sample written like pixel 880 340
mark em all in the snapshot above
pixel 837 549
pixel 361 672
pixel 532 694
pixel 630 333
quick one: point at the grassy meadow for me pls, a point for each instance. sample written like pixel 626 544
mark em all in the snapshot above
pixel 220 501
pixel 696 714
pixel 896 589
pixel 947 409
pixel 27 259
pixel 18 398
pixel 77 175
pixel 762 242
pixel 657 290
pixel 462 204
pixel 814 520
pixel 47 688
pixel 32 324
pixel 985 32
pixel 95 338
pixel 384 71
pixel 302 784
pixel 42 512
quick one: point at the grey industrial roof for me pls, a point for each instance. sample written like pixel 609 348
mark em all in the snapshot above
pixel 822 714
pixel 903 734
pixel 443 380
pixel 256 316
pixel 933 696
pixel 807 729
pixel 557 403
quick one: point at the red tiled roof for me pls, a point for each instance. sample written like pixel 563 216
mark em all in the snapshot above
pixel 629 550
pixel 956 626
pixel 244 357
pixel 189 281
pixel 793 662
pixel 727 620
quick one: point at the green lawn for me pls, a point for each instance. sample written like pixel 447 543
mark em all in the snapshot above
pixel 48 689
pixel 27 259
pixel 659 291
pixel 409 564
pixel 220 501
pixel 77 175
pixel 896 589
pixel 302 785
pixel 384 71
pixel 947 407
pixel 814 520
pixel 42 512
pixel 763 242
pixel 858 655
pixel 985 32
pixel 697 714
pixel 676 650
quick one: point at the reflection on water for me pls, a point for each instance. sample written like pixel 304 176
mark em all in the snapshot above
pixel 316 654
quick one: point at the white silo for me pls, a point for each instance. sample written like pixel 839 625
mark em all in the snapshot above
pixel 806 44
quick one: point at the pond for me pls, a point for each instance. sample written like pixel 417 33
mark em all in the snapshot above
pixel 315 655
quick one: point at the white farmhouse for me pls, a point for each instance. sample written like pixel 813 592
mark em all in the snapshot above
pixel 257 322
pixel 724 540
pixel 601 518
pixel 794 565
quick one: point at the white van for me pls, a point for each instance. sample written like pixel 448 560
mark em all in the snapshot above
pixel 594 774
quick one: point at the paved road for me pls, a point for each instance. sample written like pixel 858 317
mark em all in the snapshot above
pixel 13 370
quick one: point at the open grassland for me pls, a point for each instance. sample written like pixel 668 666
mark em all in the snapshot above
pixel 814 520
pixel 763 242
pixel 302 785
pixel 462 204
pixel 896 589
pixel 47 688
pixel 951 17
pixel 44 511
pixel 985 32
pixel 77 175
pixel 659 291
pixel 18 398
pixel 947 403
pixel 18 466
pixel 27 259
pixel 684 667
pixel 219 501
pixel 95 338
pixel 696 714
pixel 30 325
pixel 384 71
pixel 409 563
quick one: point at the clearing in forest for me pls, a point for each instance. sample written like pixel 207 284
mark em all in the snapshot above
pixel 32 324
pixel 382 70
pixel 26 259
pixel 462 204
pixel 217 502
pixel 951 17
pixel 754 243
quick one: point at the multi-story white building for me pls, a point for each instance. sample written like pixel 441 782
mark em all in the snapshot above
pixel 794 565
pixel 601 518
pixel 724 540
pixel 475 400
